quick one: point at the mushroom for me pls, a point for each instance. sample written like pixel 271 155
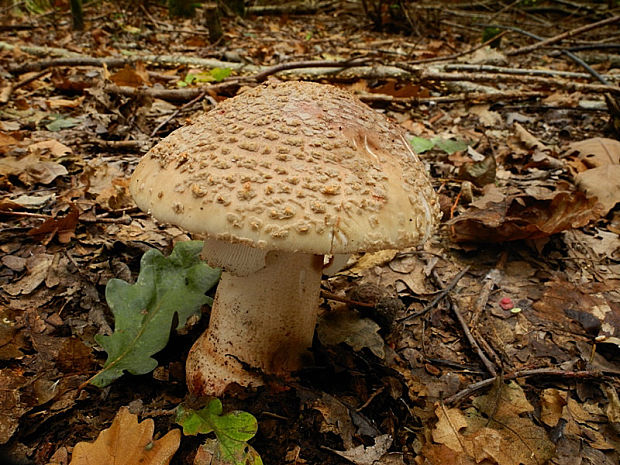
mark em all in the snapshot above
pixel 275 178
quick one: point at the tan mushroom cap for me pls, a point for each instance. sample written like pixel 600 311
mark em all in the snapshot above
pixel 296 166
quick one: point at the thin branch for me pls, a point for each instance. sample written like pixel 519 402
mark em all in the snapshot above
pixel 197 99
pixel 537 80
pixel 517 71
pixel 555 372
pixel 570 55
pixel 470 338
pixel 308 64
pixel 457 55
pixel 564 35
pixel 444 292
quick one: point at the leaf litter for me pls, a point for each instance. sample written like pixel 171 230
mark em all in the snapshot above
pixel 516 180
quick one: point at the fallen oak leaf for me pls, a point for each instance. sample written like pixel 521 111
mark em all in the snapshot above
pixel 144 311
pixel 522 216
pixel 127 442
pixel 366 455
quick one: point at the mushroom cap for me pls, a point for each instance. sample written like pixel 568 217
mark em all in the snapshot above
pixel 295 166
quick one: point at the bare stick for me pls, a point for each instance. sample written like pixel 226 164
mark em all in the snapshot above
pixel 570 55
pixel 451 285
pixel 474 344
pixel 556 372
pixel 6 94
pixel 308 64
pixel 518 71
pixel 564 35
pixel 455 55
pixel 198 98
pixel 483 77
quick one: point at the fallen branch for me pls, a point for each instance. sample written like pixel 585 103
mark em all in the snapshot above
pixel 470 338
pixel 307 64
pixel 484 77
pixel 517 71
pixel 556 372
pixel 460 54
pixel 570 55
pixel 564 35
pixel 5 95
pixel 444 292
pixel 39 51
pixel 117 62
pixel 475 97
pixel 299 8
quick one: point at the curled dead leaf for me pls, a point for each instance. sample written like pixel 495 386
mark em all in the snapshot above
pixel 63 228
pixel 522 216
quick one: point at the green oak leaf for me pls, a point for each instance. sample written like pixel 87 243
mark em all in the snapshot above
pixel 144 311
pixel 232 431
pixel 60 122
pixel 450 145
pixel 421 145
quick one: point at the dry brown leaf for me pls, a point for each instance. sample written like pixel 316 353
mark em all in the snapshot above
pixel 447 430
pixel 530 141
pixel 12 406
pixel 522 216
pixel 552 404
pixel 52 147
pixel 439 454
pixel 592 153
pixel 7 142
pixel 495 432
pixel 63 227
pixel 367 455
pixel 351 328
pixel 37 266
pixel 509 402
pixel 132 77
pixel 602 183
pixel 127 442
pixel 31 169
pixel 336 419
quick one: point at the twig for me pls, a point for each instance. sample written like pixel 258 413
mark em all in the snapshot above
pixel 456 55
pixel 117 144
pixel 6 94
pixel 491 279
pixel 451 285
pixel 461 97
pixel 187 93
pixel 517 71
pixel 556 372
pixel 308 64
pixel 474 344
pixel 198 98
pixel 564 35
pixel 483 77
pixel 331 296
pixel 570 55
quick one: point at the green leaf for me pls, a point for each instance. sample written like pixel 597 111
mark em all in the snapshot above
pixel 450 145
pixel 219 74
pixel 144 311
pixel 421 145
pixel 60 122
pixel 232 431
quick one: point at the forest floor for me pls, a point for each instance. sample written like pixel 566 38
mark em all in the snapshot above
pixel 510 354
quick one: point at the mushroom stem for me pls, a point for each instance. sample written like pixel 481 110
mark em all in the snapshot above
pixel 265 320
